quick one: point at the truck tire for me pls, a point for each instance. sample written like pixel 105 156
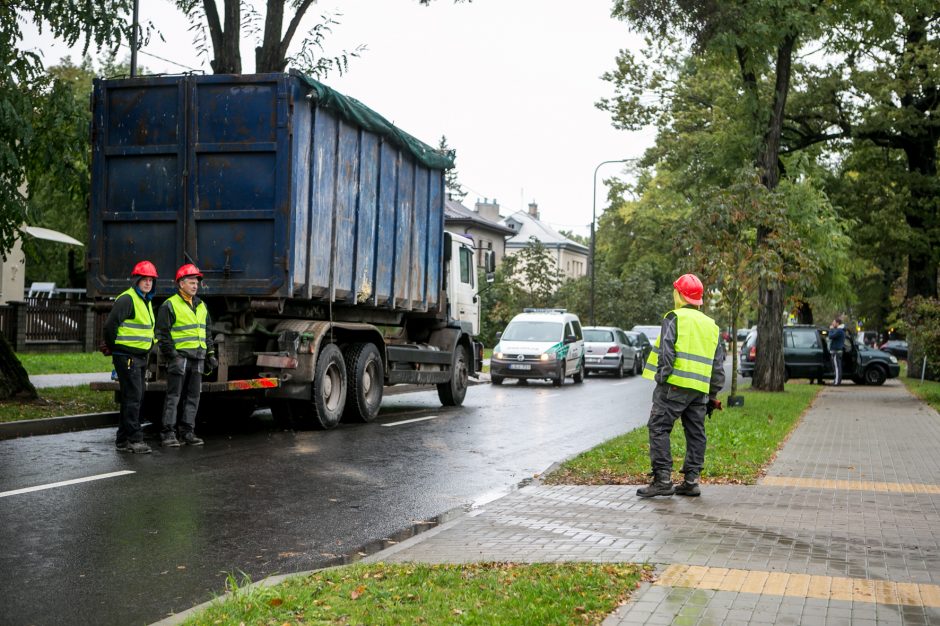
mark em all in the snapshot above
pixel 454 391
pixel 365 380
pixel 329 388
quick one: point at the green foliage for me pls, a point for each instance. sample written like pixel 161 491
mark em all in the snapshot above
pixel 451 179
pixel 741 441
pixel 922 324
pixel 412 593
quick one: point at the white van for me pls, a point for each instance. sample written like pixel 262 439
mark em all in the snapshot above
pixel 540 343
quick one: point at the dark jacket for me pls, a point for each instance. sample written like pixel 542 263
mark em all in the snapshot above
pixel 165 319
pixel 667 356
pixel 123 309
pixel 836 339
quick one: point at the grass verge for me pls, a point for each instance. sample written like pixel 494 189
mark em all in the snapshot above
pixel 56 402
pixel 65 363
pixel 483 593
pixel 928 391
pixel 741 442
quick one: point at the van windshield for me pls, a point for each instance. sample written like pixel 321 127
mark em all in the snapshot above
pixel 533 331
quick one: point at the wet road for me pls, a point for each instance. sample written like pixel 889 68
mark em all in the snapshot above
pixel 133 548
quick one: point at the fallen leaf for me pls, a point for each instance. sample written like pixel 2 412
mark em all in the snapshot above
pixel 275 602
pixel 357 592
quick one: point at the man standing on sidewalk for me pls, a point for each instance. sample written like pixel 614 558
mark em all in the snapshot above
pixel 186 346
pixel 687 365
pixel 836 346
pixel 128 338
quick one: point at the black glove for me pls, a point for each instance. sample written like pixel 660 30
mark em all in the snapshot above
pixel 104 349
pixel 714 404
pixel 211 361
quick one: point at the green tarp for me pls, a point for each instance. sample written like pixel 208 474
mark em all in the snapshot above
pixel 358 114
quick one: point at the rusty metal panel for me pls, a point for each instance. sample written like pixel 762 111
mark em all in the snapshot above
pixel 390 161
pixel 346 212
pixel 404 234
pixel 322 196
pixel 419 248
pixel 435 230
pixel 367 220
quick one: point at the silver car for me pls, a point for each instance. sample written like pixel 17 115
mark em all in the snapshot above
pixel 610 349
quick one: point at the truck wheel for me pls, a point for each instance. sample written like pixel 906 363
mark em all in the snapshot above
pixel 454 391
pixel 365 379
pixel 578 377
pixel 875 375
pixel 329 388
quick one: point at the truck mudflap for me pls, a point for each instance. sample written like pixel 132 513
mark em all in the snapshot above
pixel 207 387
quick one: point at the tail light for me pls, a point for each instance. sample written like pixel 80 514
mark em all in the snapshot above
pixel 613 349
pixel 752 353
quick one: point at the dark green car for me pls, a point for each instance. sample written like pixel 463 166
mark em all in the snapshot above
pixel 806 355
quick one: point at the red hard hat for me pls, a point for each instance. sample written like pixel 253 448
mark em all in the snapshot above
pixel 145 268
pixel 188 270
pixel 690 287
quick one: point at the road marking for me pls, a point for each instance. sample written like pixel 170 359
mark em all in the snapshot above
pixel 626 382
pixel 417 419
pixel 552 395
pixel 883 592
pixel 852 485
pixel 63 483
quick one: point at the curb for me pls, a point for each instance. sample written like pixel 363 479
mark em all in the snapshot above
pixel 55 425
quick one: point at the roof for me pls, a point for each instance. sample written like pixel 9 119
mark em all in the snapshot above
pixel 456 213
pixel 532 227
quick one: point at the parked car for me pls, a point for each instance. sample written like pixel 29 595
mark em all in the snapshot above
pixel 651 332
pixel 610 349
pixel 897 347
pixel 806 355
pixel 643 341
pixel 540 343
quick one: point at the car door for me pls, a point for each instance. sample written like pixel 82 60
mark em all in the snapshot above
pixel 576 347
pixel 803 352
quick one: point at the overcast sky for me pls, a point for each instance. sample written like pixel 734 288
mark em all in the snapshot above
pixel 511 83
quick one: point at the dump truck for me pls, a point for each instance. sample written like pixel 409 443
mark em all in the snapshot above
pixel 318 226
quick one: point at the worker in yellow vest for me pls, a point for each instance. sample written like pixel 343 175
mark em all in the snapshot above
pixel 128 338
pixel 687 364
pixel 186 346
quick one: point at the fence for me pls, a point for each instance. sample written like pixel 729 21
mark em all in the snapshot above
pixel 50 325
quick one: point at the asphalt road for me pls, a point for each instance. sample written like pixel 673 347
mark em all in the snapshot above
pixel 135 547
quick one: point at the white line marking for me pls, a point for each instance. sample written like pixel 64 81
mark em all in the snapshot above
pixel 626 382
pixel 417 419
pixel 63 483
pixel 552 395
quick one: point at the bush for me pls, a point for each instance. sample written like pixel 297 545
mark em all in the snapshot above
pixel 922 317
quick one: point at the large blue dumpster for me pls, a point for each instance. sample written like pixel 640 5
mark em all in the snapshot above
pixel 276 186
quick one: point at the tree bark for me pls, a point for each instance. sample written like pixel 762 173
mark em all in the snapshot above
pixel 272 55
pixel 226 38
pixel 922 217
pixel 14 381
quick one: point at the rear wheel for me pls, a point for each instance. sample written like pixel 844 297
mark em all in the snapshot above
pixel 619 372
pixel 875 375
pixel 637 366
pixel 454 391
pixel 329 388
pixel 365 377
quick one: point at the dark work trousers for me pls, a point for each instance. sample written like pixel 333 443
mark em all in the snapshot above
pixel 837 366
pixel 669 404
pixel 130 372
pixel 183 384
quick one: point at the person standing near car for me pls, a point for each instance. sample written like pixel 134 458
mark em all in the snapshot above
pixel 836 347
pixel 187 347
pixel 687 365
pixel 128 338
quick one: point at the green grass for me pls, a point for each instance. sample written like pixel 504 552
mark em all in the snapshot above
pixel 56 402
pixel 486 593
pixel 928 391
pixel 65 363
pixel 487 354
pixel 741 442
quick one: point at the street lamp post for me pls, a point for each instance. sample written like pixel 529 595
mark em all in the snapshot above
pixel 593 220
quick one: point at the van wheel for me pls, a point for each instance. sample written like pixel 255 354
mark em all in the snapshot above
pixel 559 379
pixel 875 375
pixel 454 391
pixel 329 388
pixel 496 380
pixel 365 378
pixel 578 377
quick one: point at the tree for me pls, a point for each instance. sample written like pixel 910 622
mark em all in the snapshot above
pixel 98 24
pixel 534 271
pixel 451 178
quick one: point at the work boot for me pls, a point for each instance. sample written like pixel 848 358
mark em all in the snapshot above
pixel 190 439
pixel 661 485
pixel 134 447
pixel 169 440
pixel 689 486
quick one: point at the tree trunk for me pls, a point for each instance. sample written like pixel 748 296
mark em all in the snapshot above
pixel 921 216
pixel 14 381
pixel 733 344
pixel 271 56
pixel 225 38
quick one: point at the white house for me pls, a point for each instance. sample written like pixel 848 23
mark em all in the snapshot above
pixel 570 257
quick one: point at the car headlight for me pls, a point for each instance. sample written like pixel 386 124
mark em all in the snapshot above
pixel 893 359
pixel 547 356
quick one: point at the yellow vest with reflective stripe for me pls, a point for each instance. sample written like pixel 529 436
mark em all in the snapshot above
pixel 696 342
pixel 189 329
pixel 136 332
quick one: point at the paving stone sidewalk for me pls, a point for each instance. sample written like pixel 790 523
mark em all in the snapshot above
pixel 844 529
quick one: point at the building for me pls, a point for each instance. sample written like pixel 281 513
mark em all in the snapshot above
pixel 571 258
pixel 482 225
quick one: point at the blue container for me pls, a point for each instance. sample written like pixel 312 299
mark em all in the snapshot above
pixel 274 185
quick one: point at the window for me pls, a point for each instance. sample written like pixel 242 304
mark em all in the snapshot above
pixel 600 336
pixel 577 329
pixel 803 339
pixel 466 267
pixel 532 331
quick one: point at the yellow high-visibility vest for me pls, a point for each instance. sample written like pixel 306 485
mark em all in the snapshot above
pixel 696 342
pixel 189 330
pixel 136 332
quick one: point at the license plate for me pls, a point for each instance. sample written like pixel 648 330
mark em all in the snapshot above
pixel 520 366
pixel 594 359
